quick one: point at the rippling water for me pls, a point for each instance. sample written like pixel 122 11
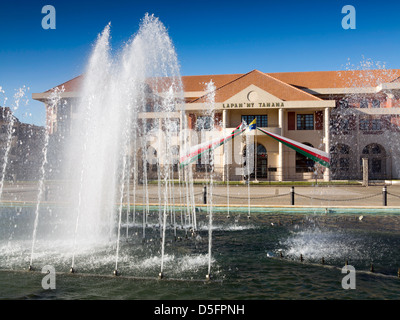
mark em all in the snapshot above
pixel 246 260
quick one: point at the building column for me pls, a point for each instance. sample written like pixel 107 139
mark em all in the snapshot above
pixel 225 165
pixel 327 173
pixel 281 122
pixel 181 120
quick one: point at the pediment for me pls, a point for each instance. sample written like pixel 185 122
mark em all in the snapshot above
pixel 253 94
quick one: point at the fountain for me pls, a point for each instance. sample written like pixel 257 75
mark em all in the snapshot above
pixel 103 171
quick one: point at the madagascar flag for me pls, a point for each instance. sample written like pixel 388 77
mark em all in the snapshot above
pixel 310 152
pixel 196 151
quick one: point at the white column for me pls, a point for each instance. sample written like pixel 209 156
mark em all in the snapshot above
pixel 327 174
pixel 280 156
pixel 225 150
pixel 181 120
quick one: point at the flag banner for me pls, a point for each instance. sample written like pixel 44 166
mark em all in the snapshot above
pixel 196 151
pixel 319 156
pixel 252 125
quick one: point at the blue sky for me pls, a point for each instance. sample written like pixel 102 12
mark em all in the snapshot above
pixel 210 37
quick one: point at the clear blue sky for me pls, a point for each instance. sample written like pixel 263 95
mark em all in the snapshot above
pixel 211 37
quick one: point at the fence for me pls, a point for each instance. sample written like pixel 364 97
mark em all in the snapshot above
pixel 292 197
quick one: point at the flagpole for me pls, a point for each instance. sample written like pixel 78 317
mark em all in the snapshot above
pixel 256 156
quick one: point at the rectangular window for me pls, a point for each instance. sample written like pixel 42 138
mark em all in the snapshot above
pixel 340 125
pixel 261 120
pixel 370 124
pixel 376 124
pixel 364 124
pixel 376 104
pixel 364 103
pixel 305 122
pixel 345 125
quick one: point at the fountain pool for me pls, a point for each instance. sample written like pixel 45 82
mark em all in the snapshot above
pixel 246 258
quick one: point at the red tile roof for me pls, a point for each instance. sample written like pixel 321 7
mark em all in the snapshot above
pixel 338 79
pixel 70 85
pixel 264 81
pixel 280 84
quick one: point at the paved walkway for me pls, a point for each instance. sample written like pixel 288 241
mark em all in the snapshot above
pixel 268 195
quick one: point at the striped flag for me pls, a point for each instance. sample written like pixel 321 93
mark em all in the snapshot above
pixel 314 154
pixel 196 151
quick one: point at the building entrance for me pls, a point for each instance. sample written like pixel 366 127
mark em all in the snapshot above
pixel 260 158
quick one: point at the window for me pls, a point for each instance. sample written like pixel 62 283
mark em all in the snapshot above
pixel 305 122
pixel 364 103
pixel 376 124
pixel 364 124
pixel 340 125
pixel 204 123
pixel 376 103
pixel 344 149
pixel 261 120
pixel 370 124
pixel 376 149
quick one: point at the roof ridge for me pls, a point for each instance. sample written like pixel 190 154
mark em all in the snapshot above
pixel 287 84
pixel 224 85
pixel 81 75
pixel 210 75
pixel 263 74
